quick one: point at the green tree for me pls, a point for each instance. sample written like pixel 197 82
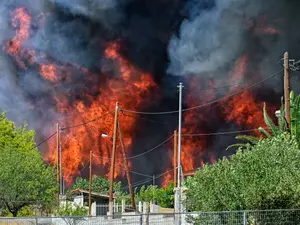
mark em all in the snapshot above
pixel 24 177
pixel 99 184
pixel 163 196
pixel 26 211
pixel 265 177
pixel 72 214
pixel 295 115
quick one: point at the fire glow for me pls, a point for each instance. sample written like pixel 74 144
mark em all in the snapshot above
pixel 133 89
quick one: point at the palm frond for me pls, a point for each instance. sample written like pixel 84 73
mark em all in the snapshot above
pixel 281 121
pixel 269 122
pixel 253 140
pixel 238 145
pixel 264 132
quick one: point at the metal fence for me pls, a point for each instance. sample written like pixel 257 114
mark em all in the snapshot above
pixel 271 217
pixel 101 210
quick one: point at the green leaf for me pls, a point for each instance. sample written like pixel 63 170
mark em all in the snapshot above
pixel 263 176
pixel 24 177
pixel 269 122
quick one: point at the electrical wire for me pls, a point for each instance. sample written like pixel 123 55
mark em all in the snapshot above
pixel 149 179
pixel 70 127
pixel 137 173
pixel 130 171
pixel 168 171
pixel 45 140
pixel 220 133
pixel 184 135
pixel 84 166
pixel 152 149
pixel 80 170
pixel 205 104
pixel 136 117
pixel 90 121
pixel 139 183
pixel 144 153
pixel 167 112
pixel 220 87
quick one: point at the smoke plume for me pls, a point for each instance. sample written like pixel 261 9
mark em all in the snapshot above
pixel 218 42
pixel 215 35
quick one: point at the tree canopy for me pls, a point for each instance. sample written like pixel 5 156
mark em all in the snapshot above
pixel 265 176
pixel 163 196
pixel 24 177
pixel 72 214
pixel 99 184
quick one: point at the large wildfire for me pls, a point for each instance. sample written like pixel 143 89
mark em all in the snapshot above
pixel 83 97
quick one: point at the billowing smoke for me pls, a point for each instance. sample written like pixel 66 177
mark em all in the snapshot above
pixel 108 12
pixel 176 37
pixel 216 34
pixel 14 84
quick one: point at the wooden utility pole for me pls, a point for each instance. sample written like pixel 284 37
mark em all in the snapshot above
pixel 127 169
pixel 90 183
pixel 57 152
pixel 60 170
pixel 287 90
pixel 178 190
pixel 113 159
pixel 175 158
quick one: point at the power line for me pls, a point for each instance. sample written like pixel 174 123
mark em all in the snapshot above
pixel 45 140
pixel 161 113
pixel 220 133
pixel 144 153
pixel 149 179
pixel 90 121
pixel 205 104
pixel 220 87
pixel 70 127
pixel 137 173
pixel 184 135
pixel 152 149
pixel 140 118
pixel 160 175
pixel 80 170
pixel 140 182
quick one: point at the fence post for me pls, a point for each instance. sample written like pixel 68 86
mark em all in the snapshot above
pixel 36 221
pixel 140 207
pixel 141 219
pixel 244 218
pixel 123 205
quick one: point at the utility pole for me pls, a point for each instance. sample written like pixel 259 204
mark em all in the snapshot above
pixel 126 168
pixel 175 157
pixel 287 90
pixel 60 170
pixel 57 151
pixel 153 184
pixel 113 159
pixel 178 191
pixel 90 184
pixel 153 179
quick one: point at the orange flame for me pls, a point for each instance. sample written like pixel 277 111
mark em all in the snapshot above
pixel 49 72
pixel 130 89
pixel 167 179
pixel 21 21
pixel 243 108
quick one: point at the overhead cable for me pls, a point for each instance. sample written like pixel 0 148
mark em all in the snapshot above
pixel 205 104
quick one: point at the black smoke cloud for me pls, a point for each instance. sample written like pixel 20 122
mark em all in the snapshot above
pixel 212 38
pixel 174 37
